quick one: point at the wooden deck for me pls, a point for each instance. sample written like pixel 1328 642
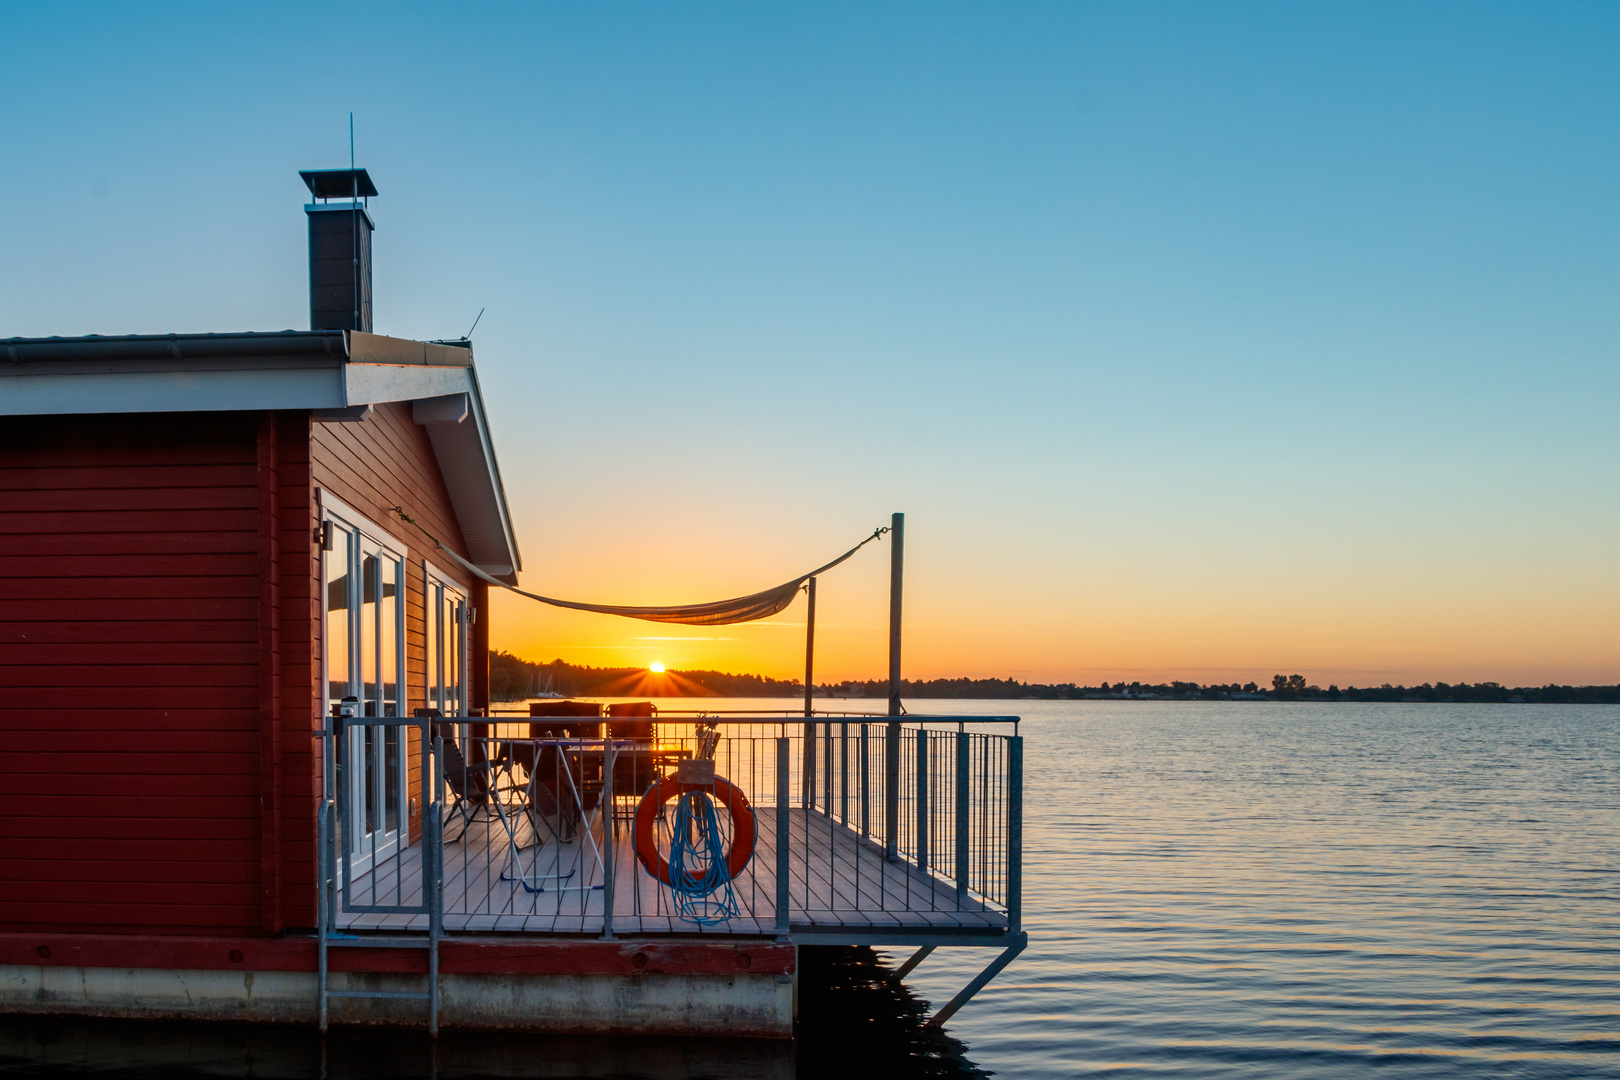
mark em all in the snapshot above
pixel 839 882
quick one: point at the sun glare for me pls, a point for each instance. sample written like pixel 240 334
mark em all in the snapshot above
pixel 656 668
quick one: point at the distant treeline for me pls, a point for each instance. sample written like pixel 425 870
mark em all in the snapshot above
pixel 513 679
pixel 1282 688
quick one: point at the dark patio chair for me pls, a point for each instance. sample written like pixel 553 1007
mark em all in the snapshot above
pixel 471 785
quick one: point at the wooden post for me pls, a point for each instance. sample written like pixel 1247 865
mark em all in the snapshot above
pixel 891 771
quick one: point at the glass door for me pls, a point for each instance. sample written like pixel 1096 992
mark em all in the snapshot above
pixel 446 646
pixel 364 659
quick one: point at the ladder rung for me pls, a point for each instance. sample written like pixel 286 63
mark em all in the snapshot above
pixel 377 994
pixel 378 943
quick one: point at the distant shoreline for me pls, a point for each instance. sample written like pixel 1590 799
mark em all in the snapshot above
pixel 515 679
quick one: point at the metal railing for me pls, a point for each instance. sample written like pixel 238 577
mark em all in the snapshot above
pixel 375 862
pixel 863 823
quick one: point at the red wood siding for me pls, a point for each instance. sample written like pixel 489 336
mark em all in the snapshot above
pixel 129 653
pixel 160 636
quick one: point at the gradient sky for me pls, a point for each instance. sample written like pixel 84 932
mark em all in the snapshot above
pixel 1204 341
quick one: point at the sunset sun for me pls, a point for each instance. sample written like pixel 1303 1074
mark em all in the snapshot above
pixel 656 667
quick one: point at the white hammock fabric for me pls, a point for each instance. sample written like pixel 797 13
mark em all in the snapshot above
pixel 760 605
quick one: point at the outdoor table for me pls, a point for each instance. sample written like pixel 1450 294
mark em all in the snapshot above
pixel 574 753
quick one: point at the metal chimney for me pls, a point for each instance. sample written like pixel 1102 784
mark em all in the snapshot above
pixel 339 249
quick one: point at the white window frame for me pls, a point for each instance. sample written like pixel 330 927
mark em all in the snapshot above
pixel 362 534
pixel 435 585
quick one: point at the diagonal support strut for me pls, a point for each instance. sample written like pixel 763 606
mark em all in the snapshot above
pixel 979 982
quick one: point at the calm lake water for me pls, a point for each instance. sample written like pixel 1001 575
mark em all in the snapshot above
pixel 1302 890
pixel 1212 890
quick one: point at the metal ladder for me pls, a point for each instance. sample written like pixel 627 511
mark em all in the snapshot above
pixel 334 895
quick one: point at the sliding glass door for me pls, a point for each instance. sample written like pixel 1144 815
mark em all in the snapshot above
pixel 365 659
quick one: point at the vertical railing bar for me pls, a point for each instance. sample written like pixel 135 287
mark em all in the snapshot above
pixel 827 771
pixel 866 795
pixel 843 771
pixel 608 761
pixel 433 878
pixel 891 793
pixel 784 783
pixel 922 799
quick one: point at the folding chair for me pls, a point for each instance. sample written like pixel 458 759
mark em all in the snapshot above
pixel 470 784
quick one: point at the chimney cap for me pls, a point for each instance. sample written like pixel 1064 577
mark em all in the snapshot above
pixel 338 183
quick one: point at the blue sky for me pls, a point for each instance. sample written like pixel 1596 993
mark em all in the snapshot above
pixel 1197 340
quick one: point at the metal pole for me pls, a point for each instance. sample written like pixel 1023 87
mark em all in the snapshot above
pixel 783 779
pixel 433 849
pixel 810 648
pixel 891 779
pixel 897 558
pixel 1015 834
pixel 961 818
pixel 809 709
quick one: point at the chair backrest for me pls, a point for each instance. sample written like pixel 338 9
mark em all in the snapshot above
pixel 567 720
pixel 624 727
pixel 469 784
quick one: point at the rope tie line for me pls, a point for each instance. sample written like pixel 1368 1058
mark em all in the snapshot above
pixel 760 605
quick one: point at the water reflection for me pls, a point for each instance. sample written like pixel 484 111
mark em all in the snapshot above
pixel 854 1021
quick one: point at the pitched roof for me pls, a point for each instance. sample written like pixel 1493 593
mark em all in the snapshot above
pixel 337 374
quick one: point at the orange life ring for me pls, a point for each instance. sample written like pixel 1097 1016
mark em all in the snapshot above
pixel 744 834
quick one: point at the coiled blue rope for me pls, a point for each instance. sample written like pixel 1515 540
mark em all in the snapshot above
pixel 697 863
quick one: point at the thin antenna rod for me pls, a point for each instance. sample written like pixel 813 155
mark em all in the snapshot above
pixel 351 142
pixel 468 334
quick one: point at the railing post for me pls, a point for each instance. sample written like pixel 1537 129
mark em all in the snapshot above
pixel 607 832
pixel 922 798
pixel 1015 833
pixel 808 779
pixel 962 861
pixel 891 793
pixel 783 780
pixel 433 852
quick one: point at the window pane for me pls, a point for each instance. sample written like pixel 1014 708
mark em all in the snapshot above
pixel 338 675
pixel 434 649
pixel 368 630
pixel 452 652
pixel 389 635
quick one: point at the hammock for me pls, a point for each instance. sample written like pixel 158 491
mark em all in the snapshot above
pixel 760 605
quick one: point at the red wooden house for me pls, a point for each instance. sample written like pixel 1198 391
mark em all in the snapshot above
pixel 203 554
